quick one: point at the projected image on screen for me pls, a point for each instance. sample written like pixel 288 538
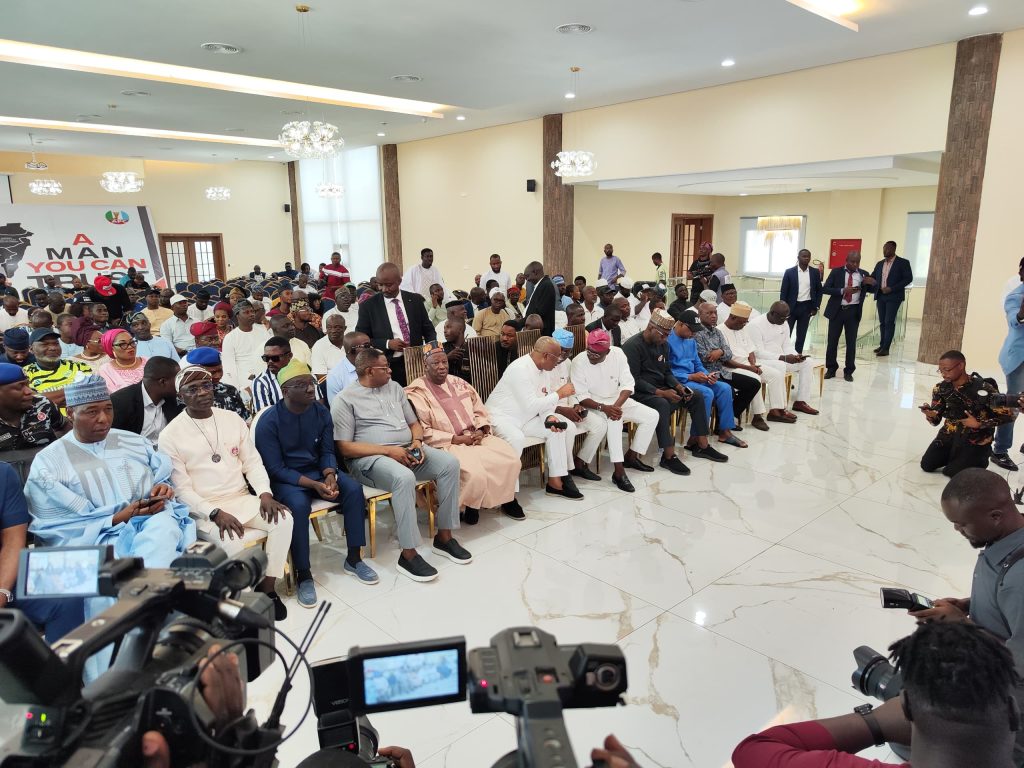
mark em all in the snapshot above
pixel 73 572
pixel 411 676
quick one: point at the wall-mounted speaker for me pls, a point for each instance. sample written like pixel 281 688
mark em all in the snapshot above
pixel 287 208
pixel 531 185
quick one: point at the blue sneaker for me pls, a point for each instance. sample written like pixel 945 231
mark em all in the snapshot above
pixel 306 594
pixel 362 571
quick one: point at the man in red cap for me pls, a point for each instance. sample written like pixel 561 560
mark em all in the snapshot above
pixel 205 333
pixel 604 385
pixel 112 295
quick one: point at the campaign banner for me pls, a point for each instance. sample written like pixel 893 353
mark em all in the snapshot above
pixel 65 241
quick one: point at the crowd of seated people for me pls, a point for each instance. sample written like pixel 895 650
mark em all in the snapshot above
pixel 227 411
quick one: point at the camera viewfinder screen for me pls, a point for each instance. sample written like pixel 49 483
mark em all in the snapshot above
pixel 62 572
pixel 411 676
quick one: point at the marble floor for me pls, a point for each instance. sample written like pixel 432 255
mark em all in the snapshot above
pixel 737 594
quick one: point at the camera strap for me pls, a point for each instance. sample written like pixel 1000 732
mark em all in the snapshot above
pixel 1004 566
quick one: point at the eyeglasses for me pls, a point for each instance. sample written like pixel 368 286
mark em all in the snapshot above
pixel 595 355
pixel 367 345
pixel 300 385
pixel 275 358
pixel 191 389
pixel 379 368
pixel 126 344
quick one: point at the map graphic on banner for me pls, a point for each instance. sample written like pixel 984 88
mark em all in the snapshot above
pixel 37 241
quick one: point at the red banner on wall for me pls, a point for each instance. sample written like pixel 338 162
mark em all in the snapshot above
pixel 840 248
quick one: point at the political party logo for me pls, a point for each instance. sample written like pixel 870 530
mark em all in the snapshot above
pixel 14 240
pixel 116 217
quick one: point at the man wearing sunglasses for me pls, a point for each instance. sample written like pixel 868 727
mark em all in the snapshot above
pixel 277 353
pixel 344 373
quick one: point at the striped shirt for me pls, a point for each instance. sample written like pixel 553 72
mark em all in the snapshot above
pixel 44 380
pixel 266 391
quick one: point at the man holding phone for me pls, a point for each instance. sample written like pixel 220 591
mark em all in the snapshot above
pixel 774 348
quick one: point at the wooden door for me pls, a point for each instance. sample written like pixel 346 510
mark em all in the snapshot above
pixel 192 258
pixel 688 232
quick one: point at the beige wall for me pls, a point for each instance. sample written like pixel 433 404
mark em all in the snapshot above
pixel 998 250
pixel 870 107
pixel 253 223
pixel 465 196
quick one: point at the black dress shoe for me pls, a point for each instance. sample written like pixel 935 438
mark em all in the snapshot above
pixel 623 484
pixel 567 490
pixel 471 516
pixel 638 465
pixel 674 465
pixel 708 453
pixel 737 428
pixel 876 350
pixel 830 374
pixel 882 353
pixel 848 377
pixel 585 473
pixel 513 509
pixel 1003 461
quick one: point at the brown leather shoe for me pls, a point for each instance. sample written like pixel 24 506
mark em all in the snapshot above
pixel 758 423
pixel 785 417
pixel 803 407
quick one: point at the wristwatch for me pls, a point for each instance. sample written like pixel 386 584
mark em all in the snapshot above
pixel 8 594
pixel 865 711
pixel 214 513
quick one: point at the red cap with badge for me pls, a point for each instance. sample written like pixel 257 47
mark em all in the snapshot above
pixel 104 286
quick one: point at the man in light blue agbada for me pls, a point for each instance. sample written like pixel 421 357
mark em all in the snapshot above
pixel 1011 360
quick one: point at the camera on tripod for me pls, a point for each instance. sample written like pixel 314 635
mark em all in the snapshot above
pixel 151 684
pixel 523 672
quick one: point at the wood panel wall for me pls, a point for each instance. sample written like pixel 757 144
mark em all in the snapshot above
pixel 293 199
pixel 961 177
pixel 392 203
pixel 557 205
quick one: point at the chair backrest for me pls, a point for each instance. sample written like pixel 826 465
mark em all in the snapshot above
pixel 483 365
pixel 21 460
pixel 525 341
pixel 414 367
pixel 579 333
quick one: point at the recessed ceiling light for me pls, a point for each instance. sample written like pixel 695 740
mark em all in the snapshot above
pixel 406 78
pixel 88 126
pixel 574 28
pixel 978 10
pixel 460 117
pixel 135 93
pixel 570 95
pixel 86 118
pixel 234 130
pixel 744 194
pixel 270 157
pixel 380 133
pixel 225 48
pixel 728 62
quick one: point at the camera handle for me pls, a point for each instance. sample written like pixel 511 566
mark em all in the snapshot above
pixel 543 739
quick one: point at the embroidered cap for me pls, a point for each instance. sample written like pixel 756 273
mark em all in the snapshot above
pixel 88 388
pixel 564 338
pixel 740 309
pixel 662 319
pixel 598 340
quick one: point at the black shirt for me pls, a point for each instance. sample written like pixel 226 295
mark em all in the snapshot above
pixel 649 364
pixel 460 370
pixel 504 356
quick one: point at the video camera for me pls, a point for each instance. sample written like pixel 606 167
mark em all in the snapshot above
pixel 152 682
pixel 523 672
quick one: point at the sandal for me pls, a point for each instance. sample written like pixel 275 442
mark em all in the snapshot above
pixel 733 440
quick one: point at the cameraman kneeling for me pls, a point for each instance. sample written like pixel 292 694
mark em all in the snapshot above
pixel 956 709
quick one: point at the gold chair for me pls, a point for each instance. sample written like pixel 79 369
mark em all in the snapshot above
pixel 376 495
pixel 579 333
pixel 483 365
pixel 525 341
pixel 414 367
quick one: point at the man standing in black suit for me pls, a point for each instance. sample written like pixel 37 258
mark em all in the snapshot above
pixel 845 287
pixel 149 406
pixel 543 297
pixel 395 319
pixel 892 276
pixel 610 322
pixel 801 290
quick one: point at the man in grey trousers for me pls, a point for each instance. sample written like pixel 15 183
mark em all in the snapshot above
pixel 376 430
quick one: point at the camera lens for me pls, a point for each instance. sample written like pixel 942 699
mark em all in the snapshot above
pixel 607 677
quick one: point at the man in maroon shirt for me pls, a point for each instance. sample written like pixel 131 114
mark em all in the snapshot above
pixel 956 709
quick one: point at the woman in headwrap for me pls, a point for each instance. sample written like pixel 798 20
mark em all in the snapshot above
pixel 125 366
pixel 235 295
pixel 512 303
pixel 89 337
pixel 222 318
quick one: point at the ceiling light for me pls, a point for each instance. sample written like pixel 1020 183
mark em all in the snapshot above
pixel 406 78
pixel 136 93
pixel 122 130
pixel 234 130
pixel 33 164
pixel 270 157
pixel 573 162
pixel 978 10
pixel 744 194
pixel 380 133
pixel 833 10
pixel 570 95
pixel 574 28
pixel 305 139
pixel 16 52
pixel 121 182
pixel 45 187
pixel 574 76
pixel 329 190
pixel 223 48
pixel 728 62
pixel 460 117
pixel 218 193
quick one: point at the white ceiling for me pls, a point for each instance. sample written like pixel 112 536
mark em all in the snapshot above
pixel 918 170
pixel 497 62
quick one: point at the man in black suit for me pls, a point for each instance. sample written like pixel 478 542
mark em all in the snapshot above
pixel 149 406
pixel 846 287
pixel 395 319
pixel 801 290
pixel 610 322
pixel 542 298
pixel 892 276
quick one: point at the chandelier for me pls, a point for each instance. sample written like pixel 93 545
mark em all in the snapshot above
pixel 33 164
pixel 329 189
pixel 305 139
pixel 48 187
pixel 120 182
pixel 573 162
pixel 218 193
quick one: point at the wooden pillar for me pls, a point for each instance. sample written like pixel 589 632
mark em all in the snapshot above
pixel 392 204
pixel 557 206
pixel 293 199
pixel 961 177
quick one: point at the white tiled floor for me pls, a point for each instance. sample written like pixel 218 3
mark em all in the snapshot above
pixel 737 594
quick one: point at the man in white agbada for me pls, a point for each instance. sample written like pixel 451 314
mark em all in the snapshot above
pixel 523 405
pixel 421 276
pixel 212 456
pixel 734 329
pixel 774 348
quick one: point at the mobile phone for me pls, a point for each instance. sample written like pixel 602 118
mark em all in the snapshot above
pixel 416 453
pixel 893 597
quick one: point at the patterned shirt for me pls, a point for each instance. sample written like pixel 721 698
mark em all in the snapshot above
pixel 709 339
pixel 39 426
pixel 956 403
pixel 45 380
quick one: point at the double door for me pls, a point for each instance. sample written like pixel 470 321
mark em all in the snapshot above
pixel 192 258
